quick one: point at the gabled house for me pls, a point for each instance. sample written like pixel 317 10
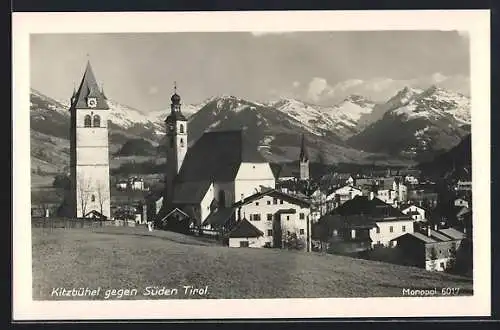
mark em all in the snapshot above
pixel 416 212
pixel 432 249
pixel 276 214
pixel 460 202
pixel 369 218
pixel 341 195
pixel 245 234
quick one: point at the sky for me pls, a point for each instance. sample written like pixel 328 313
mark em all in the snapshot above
pixel 139 69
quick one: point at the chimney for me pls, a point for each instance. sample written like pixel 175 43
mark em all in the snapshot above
pixel 429 231
pixel 435 227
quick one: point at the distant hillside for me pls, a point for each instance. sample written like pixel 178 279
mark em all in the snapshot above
pixel 457 160
pixel 137 147
pixel 417 124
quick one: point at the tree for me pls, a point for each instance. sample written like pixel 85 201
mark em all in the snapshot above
pixel 294 242
pixel 452 259
pixel 83 188
pixel 102 196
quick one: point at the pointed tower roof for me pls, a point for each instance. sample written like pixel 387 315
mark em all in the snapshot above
pixel 89 88
pixel 304 155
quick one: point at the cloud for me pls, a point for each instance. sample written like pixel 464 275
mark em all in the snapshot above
pixel 380 89
pixel 152 90
pixel 317 87
pixel 296 84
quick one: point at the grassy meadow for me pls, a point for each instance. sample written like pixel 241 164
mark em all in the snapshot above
pixel 119 257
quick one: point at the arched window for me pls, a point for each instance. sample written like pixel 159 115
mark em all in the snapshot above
pixel 87 122
pixel 181 128
pixel 97 121
pixel 182 142
pixel 92 198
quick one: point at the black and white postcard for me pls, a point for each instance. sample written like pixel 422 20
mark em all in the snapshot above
pixel 251 165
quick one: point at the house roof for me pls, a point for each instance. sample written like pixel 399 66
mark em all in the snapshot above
pixel 190 192
pixel 244 228
pixel 89 88
pixel 216 156
pixel 362 205
pixel 96 214
pixel 421 237
pixel 219 218
pixel 277 194
pixel 462 210
pixel 453 233
pixel 442 235
pixel 288 170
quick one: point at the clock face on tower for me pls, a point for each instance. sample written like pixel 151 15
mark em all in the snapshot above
pixel 92 102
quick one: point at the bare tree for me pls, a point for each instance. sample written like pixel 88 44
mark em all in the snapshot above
pixel 102 197
pixel 83 192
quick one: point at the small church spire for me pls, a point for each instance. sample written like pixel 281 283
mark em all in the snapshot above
pixel 304 156
pixel 304 160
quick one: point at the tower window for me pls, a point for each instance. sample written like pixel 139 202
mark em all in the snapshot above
pixel 97 121
pixel 87 122
pixel 182 142
pixel 92 198
pixel 181 128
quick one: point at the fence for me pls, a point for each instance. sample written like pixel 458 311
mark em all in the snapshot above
pixel 69 223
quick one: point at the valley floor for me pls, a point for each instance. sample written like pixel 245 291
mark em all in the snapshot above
pixel 133 258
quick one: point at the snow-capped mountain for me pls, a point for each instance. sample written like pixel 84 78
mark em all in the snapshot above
pixel 434 103
pixel 342 118
pixel 417 122
pixel 275 128
pixel 123 117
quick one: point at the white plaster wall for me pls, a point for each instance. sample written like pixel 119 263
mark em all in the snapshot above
pixel 385 235
pixel 205 202
pixel 92 167
pixel 250 177
pixel 92 180
pixel 414 208
pixel 293 223
pixel 253 242
pixel 437 262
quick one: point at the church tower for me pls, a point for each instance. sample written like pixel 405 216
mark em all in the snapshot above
pixel 304 161
pixel 177 136
pixel 89 158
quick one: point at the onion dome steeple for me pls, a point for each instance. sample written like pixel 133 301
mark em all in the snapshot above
pixel 175 107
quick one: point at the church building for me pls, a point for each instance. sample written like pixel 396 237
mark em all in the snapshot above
pixel 89 195
pixel 219 169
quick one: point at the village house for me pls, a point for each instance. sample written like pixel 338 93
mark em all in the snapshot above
pixel 411 180
pixel 460 202
pixel 463 185
pixel 275 214
pixel 432 249
pixel 122 185
pixel 368 221
pixel 341 195
pixel 423 196
pixel 390 190
pixel 416 212
pixel 135 183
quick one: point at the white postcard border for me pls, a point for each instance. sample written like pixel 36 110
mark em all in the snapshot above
pixel 475 22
